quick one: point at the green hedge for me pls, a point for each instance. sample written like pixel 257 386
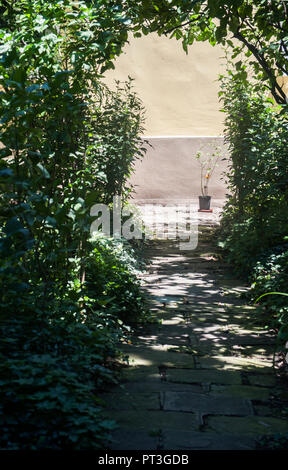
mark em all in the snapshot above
pixel 254 224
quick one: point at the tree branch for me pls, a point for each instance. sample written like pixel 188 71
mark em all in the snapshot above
pixel 182 25
pixel 276 90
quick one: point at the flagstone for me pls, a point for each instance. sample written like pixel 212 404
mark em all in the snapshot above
pixel 136 374
pixel 262 380
pixel 131 440
pixel 153 421
pixel 249 425
pixel 158 386
pixel 235 363
pixel 207 376
pixel 145 400
pixel 241 391
pixel 185 440
pixel 153 356
pixel 187 402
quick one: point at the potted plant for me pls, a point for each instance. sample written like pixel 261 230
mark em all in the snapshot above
pixel 208 162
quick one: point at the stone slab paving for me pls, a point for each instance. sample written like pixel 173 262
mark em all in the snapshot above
pixel 203 378
pixel 124 439
pixel 185 440
pixel 206 405
pixel 249 425
pixel 249 392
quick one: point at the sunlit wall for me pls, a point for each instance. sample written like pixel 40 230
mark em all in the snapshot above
pixel 180 94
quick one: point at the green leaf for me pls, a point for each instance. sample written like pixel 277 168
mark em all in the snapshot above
pixel 14 226
pixel 43 170
pixel 270 293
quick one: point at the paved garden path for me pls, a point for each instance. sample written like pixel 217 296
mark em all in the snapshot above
pixel 202 378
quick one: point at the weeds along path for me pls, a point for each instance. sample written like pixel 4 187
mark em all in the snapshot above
pixel 201 378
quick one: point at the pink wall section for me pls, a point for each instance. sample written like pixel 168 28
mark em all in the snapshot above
pixel 170 170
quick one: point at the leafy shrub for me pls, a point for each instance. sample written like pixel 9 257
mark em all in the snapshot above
pixel 256 133
pixel 112 280
pixel 254 224
pixel 54 360
pixel 276 442
pixel 117 119
pixel 67 142
pixel 50 372
pixel 270 274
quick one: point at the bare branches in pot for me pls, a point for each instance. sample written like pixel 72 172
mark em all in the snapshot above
pixel 208 160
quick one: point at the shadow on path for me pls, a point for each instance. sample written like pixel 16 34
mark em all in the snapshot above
pixel 203 377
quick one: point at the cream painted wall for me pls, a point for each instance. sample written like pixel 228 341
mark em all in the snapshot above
pixel 180 94
pixel 179 91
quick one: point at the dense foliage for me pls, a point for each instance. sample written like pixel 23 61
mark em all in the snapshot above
pixel 255 223
pixel 67 142
pixel 55 357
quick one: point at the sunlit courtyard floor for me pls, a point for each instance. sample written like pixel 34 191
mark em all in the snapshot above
pixel 200 377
